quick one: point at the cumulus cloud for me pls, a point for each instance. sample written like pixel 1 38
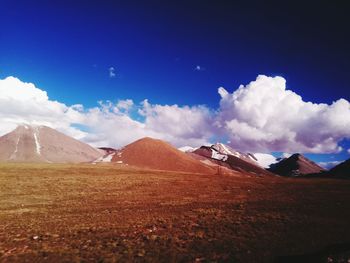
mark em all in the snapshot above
pixel 22 102
pixel 265 116
pixel 265 159
pixel 329 165
pixel 108 124
pixel 111 124
pixel 181 125
pixel 262 116
pixel 125 105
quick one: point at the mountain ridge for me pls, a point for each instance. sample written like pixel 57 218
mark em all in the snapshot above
pixel 296 165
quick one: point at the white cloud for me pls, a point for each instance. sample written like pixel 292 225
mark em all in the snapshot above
pixel 178 124
pixel 124 105
pixel 261 117
pixel 286 155
pixel 329 165
pixel 348 151
pixel 199 68
pixel 265 116
pixel 108 127
pixel 108 124
pixel 265 160
pixel 22 102
pixel 112 73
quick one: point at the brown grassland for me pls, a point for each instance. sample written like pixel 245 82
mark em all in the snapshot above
pixel 110 213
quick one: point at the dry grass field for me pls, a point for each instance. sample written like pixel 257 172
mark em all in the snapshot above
pixel 106 213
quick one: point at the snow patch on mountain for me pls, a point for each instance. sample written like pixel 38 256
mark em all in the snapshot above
pixel 33 143
pixel 187 149
pixel 105 159
pixel 37 143
pixel 13 155
pixel 225 149
pixel 218 156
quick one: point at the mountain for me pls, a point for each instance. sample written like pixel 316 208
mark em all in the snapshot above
pixel 341 170
pixel 43 144
pixel 226 149
pixel 156 154
pixel 296 165
pixel 223 156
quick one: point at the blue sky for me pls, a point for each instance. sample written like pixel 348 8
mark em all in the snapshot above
pixel 175 52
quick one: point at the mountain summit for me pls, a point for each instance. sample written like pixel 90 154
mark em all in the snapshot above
pixel 156 154
pixel 295 165
pixel 225 149
pixel 43 144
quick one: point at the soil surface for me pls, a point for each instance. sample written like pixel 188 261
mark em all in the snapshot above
pixel 110 213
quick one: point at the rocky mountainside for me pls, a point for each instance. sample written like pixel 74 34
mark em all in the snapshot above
pixel 43 144
pixel 237 162
pixel 296 165
pixel 228 150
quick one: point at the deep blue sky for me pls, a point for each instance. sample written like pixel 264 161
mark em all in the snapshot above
pixel 66 47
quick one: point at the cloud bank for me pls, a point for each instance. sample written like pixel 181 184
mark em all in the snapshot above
pixel 262 116
pixel 265 159
pixel 329 165
pixel 22 102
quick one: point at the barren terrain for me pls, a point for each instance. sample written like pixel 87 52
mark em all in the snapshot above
pixel 108 213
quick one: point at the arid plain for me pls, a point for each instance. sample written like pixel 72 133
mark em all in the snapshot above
pixel 111 212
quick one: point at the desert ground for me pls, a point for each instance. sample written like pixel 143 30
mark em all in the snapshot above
pixel 110 213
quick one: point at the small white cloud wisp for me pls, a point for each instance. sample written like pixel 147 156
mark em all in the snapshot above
pixel 112 73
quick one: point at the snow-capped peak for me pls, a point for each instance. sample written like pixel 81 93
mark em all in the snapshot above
pixel 225 149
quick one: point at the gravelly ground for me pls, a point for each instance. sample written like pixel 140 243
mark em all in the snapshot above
pixel 83 213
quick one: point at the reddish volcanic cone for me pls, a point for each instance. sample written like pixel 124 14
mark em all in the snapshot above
pixel 296 165
pixel 43 144
pixel 156 154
